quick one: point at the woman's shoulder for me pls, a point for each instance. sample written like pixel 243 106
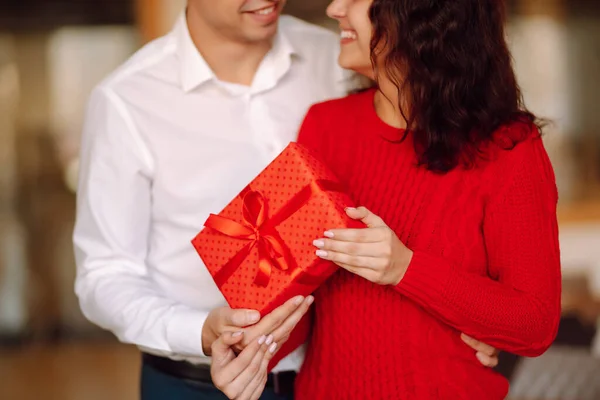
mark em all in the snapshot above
pixel 516 141
pixel 335 113
pixel 340 107
pixel 517 154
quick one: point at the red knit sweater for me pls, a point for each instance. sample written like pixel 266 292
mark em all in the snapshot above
pixel 486 263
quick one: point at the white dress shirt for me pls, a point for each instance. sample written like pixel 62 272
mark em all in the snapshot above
pixel 165 144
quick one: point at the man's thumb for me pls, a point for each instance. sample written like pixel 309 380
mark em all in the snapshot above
pixel 243 318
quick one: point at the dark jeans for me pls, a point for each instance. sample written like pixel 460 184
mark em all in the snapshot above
pixel 158 386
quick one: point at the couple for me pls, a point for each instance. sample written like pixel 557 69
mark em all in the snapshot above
pixel 459 254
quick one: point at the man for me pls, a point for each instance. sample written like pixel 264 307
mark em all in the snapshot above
pixel 170 137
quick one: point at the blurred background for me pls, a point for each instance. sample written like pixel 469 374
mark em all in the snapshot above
pixel 53 52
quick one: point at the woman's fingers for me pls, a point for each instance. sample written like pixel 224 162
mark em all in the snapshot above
pixel 354 261
pixel 361 235
pixel 366 216
pixel 236 389
pixel 270 322
pixel 225 371
pixel 254 389
pixel 284 330
pixel 377 249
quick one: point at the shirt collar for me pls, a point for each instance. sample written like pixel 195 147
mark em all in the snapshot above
pixel 195 71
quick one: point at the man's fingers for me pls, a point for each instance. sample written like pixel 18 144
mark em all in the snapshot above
pixel 479 346
pixel 241 318
pixel 486 360
pixel 290 323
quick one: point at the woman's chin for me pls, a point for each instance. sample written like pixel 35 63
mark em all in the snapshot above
pixel 358 67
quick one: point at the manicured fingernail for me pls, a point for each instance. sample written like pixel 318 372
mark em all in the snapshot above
pixel 237 334
pixel 328 234
pixel 273 348
pixel 269 340
pixel 262 339
pixel 321 253
pixel 309 300
pixel 350 209
pixel 298 300
pixel 253 317
pixel 319 243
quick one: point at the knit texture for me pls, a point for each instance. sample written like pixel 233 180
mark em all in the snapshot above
pixel 486 263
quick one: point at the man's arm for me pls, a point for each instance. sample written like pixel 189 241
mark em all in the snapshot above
pixel 111 237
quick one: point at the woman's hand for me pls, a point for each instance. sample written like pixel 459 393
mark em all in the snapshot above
pixel 241 377
pixel 374 253
pixel 280 323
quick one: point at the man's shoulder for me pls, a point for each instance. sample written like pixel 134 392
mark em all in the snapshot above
pixel 144 60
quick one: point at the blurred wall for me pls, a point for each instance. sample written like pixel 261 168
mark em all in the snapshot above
pixel 78 58
pixel 12 276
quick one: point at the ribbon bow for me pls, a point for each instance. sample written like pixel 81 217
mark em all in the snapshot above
pixel 260 230
pixel 272 251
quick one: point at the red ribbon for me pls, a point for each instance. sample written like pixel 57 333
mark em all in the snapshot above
pixel 260 230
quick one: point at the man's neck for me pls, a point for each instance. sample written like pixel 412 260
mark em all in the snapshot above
pixel 230 61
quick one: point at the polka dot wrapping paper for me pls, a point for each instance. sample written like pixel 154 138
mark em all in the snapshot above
pixel 259 248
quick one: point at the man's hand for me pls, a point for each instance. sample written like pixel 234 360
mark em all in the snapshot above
pixel 241 377
pixel 225 319
pixel 279 323
pixel 486 354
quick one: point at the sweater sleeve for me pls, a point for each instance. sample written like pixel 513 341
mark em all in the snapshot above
pixel 519 309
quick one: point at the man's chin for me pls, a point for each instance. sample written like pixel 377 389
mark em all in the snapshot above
pixel 261 34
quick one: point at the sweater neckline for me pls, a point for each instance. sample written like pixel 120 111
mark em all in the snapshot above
pixel 382 128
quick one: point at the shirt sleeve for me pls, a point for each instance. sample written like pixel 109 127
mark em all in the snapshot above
pixel 111 237
pixel 519 310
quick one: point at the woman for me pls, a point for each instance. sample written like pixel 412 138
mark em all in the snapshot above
pixel 459 205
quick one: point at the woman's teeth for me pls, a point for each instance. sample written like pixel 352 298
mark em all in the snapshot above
pixel 348 34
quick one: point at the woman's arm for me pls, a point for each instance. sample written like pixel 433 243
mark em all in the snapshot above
pixel 517 311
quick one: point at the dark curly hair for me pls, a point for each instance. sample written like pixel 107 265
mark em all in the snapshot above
pixel 451 60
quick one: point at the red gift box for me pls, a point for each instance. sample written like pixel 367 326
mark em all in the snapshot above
pixel 259 248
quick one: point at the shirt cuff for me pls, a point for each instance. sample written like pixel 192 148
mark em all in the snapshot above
pixel 426 279
pixel 184 332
